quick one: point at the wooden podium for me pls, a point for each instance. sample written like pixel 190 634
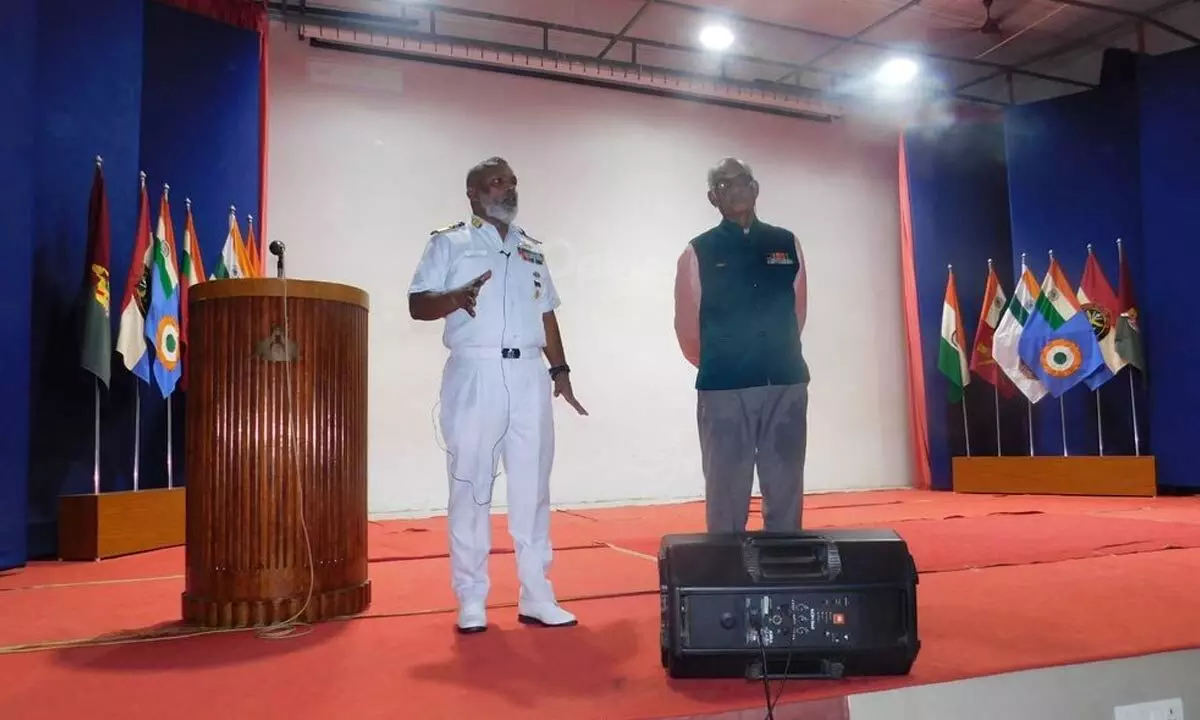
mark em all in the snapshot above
pixel 276 427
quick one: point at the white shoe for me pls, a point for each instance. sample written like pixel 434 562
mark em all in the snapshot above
pixel 472 618
pixel 544 615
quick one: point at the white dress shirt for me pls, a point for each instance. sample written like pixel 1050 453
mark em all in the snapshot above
pixel 510 305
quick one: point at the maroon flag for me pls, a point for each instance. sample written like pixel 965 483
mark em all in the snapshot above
pixel 95 352
pixel 983 363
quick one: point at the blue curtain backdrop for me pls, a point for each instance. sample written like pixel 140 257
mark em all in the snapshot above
pixel 1169 89
pixel 146 87
pixel 199 134
pixel 1074 178
pixel 959 201
pixel 88 101
pixel 18 35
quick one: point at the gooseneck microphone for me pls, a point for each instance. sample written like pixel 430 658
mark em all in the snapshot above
pixel 277 249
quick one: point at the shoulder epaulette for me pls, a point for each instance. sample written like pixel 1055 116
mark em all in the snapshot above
pixel 529 237
pixel 448 228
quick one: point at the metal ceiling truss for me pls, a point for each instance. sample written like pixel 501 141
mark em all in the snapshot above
pixel 625 29
pixel 856 36
pixel 1144 18
pixel 402 27
pixel 884 47
pixel 374 35
pixel 387 35
pixel 1133 19
pixel 1080 43
pixel 642 80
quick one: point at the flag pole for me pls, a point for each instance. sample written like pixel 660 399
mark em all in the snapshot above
pixel 966 432
pixel 1096 392
pixel 96 412
pixel 963 398
pixel 250 224
pixel 1028 402
pixel 1062 414
pixel 996 402
pixel 999 377
pixel 1137 442
pixel 137 406
pixel 166 196
pixel 96 441
pixel 137 432
pixel 170 455
pixel 1029 410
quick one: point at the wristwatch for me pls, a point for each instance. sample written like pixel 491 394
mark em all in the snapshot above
pixel 559 370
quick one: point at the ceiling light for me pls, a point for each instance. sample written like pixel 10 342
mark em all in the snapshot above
pixel 716 37
pixel 897 71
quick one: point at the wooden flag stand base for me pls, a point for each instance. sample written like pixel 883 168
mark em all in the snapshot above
pixel 105 525
pixel 1114 475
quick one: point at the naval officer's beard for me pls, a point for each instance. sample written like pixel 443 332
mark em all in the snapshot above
pixel 505 211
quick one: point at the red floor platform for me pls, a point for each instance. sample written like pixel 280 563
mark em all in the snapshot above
pixel 1007 583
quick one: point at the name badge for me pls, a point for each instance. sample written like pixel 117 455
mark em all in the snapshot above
pixel 780 258
pixel 474 253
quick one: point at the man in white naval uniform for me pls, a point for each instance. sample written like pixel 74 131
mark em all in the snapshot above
pixel 490 282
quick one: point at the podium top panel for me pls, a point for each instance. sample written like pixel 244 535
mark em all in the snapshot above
pixel 274 287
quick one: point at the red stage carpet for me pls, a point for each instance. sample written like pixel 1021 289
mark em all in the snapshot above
pixel 1007 583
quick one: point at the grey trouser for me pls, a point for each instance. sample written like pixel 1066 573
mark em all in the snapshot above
pixel 740 430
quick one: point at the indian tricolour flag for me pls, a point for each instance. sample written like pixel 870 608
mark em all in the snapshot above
pixel 162 316
pixel 952 357
pixel 1007 340
pixel 233 262
pixel 191 268
pixel 192 265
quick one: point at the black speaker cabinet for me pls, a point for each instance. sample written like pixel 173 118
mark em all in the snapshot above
pixel 828 604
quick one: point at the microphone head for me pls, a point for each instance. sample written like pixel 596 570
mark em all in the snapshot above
pixel 276 248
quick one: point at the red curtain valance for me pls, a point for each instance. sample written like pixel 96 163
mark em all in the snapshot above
pixel 244 14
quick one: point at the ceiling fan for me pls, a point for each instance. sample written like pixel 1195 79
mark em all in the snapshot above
pixel 991 26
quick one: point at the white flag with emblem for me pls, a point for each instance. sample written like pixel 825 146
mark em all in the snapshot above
pixel 1007 339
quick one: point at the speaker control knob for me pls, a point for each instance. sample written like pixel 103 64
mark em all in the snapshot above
pixel 727 621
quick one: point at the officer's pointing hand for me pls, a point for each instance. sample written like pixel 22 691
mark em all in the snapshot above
pixel 468 293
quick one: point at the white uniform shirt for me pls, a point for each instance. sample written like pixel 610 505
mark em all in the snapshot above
pixel 509 308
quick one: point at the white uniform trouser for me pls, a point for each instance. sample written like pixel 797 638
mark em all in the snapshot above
pixel 493 408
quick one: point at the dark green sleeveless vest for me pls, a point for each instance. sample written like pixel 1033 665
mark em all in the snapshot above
pixel 748 333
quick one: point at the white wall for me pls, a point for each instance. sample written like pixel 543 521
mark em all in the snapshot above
pixel 368 155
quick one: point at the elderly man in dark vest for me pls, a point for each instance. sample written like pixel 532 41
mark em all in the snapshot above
pixel 740 300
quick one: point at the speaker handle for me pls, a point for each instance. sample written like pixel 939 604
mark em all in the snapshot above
pixel 791 557
pixel 805 669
